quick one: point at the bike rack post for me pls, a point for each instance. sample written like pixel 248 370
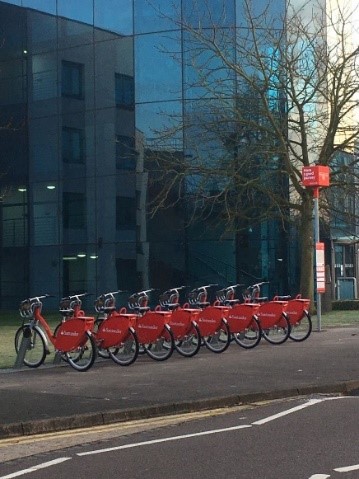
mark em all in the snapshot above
pixel 24 346
pixel 57 358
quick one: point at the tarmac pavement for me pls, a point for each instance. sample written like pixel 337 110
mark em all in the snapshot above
pixel 56 397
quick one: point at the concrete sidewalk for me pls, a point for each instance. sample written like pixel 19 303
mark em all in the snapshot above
pixel 54 398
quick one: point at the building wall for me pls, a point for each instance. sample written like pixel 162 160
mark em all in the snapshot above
pixel 84 87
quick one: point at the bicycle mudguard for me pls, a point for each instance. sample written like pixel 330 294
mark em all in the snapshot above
pixel 114 330
pixel 240 316
pixel 72 333
pixel 150 326
pixel 181 321
pixel 296 309
pixel 210 318
pixel 270 314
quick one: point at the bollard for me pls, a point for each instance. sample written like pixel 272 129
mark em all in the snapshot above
pixel 24 346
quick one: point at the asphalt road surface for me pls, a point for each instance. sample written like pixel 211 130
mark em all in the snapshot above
pixel 302 438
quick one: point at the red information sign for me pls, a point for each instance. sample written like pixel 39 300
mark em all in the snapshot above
pixel 315 176
pixel 320 267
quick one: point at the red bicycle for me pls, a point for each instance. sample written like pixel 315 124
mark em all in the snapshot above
pixel 72 338
pixel 115 333
pixel 211 321
pixel 153 331
pixel 242 318
pixel 183 322
pixel 299 317
pixel 272 315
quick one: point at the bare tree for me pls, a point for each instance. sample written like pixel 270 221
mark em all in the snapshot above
pixel 265 99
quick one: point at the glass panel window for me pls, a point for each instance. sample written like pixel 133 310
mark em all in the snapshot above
pixel 125 212
pixel 116 16
pixel 124 91
pixel 73 145
pixel 125 153
pixel 74 210
pixel 72 79
pixel 81 11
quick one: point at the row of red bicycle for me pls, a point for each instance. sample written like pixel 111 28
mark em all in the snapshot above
pixel 123 333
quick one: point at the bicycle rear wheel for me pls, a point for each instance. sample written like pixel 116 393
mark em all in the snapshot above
pixel 162 348
pixel 125 353
pixel 251 336
pixel 189 345
pixel 220 340
pixel 83 357
pixel 302 329
pixel 34 346
pixel 279 333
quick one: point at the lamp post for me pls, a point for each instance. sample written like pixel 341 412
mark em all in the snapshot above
pixel 316 177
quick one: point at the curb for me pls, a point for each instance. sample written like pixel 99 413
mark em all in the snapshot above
pixel 348 388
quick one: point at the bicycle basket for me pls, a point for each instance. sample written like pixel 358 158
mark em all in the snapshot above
pixel 105 303
pixel 27 308
pixel 169 299
pixel 221 295
pixel 138 302
pixel 68 304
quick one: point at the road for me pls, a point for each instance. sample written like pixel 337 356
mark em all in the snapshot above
pixel 312 437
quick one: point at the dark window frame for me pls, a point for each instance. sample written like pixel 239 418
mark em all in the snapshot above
pixel 69 148
pixel 70 86
pixel 124 91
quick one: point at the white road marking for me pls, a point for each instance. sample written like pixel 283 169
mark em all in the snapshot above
pixel 166 439
pixel 36 468
pixel 288 411
pixel 347 468
pixel 319 476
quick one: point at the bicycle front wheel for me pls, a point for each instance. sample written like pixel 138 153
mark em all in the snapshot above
pixel 302 329
pixel 279 333
pixel 251 336
pixel 220 340
pixel 190 344
pixel 83 357
pixel 125 353
pixel 31 343
pixel 162 348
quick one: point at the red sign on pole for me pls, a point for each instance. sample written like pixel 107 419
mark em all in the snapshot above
pixel 320 267
pixel 315 176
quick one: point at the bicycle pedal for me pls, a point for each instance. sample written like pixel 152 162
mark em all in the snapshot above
pixel 47 352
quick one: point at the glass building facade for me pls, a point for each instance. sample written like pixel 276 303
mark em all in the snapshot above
pixel 84 84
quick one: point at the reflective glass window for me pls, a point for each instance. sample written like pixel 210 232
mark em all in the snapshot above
pixel 124 91
pixel 45 213
pixel 156 15
pixel 48 6
pixel 262 12
pixel 207 13
pixel 74 210
pixel 76 10
pixel 114 16
pixel 73 145
pixel 158 121
pixel 125 153
pixel 42 30
pixel 72 79
pixel 14 2
pixel 158 67
pixel 125 212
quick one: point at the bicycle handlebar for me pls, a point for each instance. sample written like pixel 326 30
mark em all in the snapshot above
pixel 257 285
pixel 177 288
pixel 38 298
pixel 233 286
pixel 204 287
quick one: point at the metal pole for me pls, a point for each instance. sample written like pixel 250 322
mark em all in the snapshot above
pixel 316 240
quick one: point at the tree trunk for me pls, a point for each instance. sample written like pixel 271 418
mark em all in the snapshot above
pixel 306 242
